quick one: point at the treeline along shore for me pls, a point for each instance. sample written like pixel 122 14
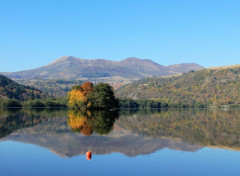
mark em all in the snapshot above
pixel 123 103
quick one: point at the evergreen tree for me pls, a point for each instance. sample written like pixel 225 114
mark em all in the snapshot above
pixel 103 97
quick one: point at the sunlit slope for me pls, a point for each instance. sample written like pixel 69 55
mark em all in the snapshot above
pixel 225 67
pixel 214 86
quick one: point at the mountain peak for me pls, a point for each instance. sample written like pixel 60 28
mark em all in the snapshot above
pixel 61 59
pixel 64 58
pixel 132 59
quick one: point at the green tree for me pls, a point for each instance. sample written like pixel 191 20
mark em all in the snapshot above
pixel 103 97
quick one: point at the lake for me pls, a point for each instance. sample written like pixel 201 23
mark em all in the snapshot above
pixel 126 142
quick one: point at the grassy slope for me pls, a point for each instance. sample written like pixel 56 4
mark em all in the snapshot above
pixel 213 86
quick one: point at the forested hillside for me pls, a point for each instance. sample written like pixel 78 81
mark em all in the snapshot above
pixel 12 90
pixel 215 86
pixel 53 87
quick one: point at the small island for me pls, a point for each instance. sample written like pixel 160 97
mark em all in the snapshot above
pixel 88 96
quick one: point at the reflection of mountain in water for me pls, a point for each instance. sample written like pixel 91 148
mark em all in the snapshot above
pixel 70 144
pixel 133 133
pixel 54 133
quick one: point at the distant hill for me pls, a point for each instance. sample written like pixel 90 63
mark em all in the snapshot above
pixel 12 90
pixel 73 68
pixel 53 87
pixel 217 86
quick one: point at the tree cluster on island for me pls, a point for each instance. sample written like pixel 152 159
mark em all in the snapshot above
pixel 88 96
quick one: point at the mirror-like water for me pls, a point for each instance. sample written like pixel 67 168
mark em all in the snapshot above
pixel 129 142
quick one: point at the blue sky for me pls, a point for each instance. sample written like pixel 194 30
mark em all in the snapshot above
pixel 36 32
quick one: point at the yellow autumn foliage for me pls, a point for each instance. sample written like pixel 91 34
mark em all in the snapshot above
pixel 76 98
pixel 76 95
pixel 79 96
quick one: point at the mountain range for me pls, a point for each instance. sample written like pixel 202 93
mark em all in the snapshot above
pixel 68 67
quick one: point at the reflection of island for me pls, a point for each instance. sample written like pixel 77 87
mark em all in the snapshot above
pixel 86 122
pixel 132 134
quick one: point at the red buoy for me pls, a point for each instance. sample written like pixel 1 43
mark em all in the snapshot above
pixel 88 153
pixel 88 157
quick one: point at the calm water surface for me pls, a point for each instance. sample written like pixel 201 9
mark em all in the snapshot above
pixel 129 142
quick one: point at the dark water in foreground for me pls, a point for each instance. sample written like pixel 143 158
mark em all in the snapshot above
pixel 150 142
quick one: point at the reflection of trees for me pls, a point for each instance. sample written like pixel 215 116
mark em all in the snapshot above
pixel 79 122
pixel 86 122
pixel 14 119
pixel 103 121
pixel 203 127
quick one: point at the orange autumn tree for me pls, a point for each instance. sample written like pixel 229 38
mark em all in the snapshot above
pixel 79 96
